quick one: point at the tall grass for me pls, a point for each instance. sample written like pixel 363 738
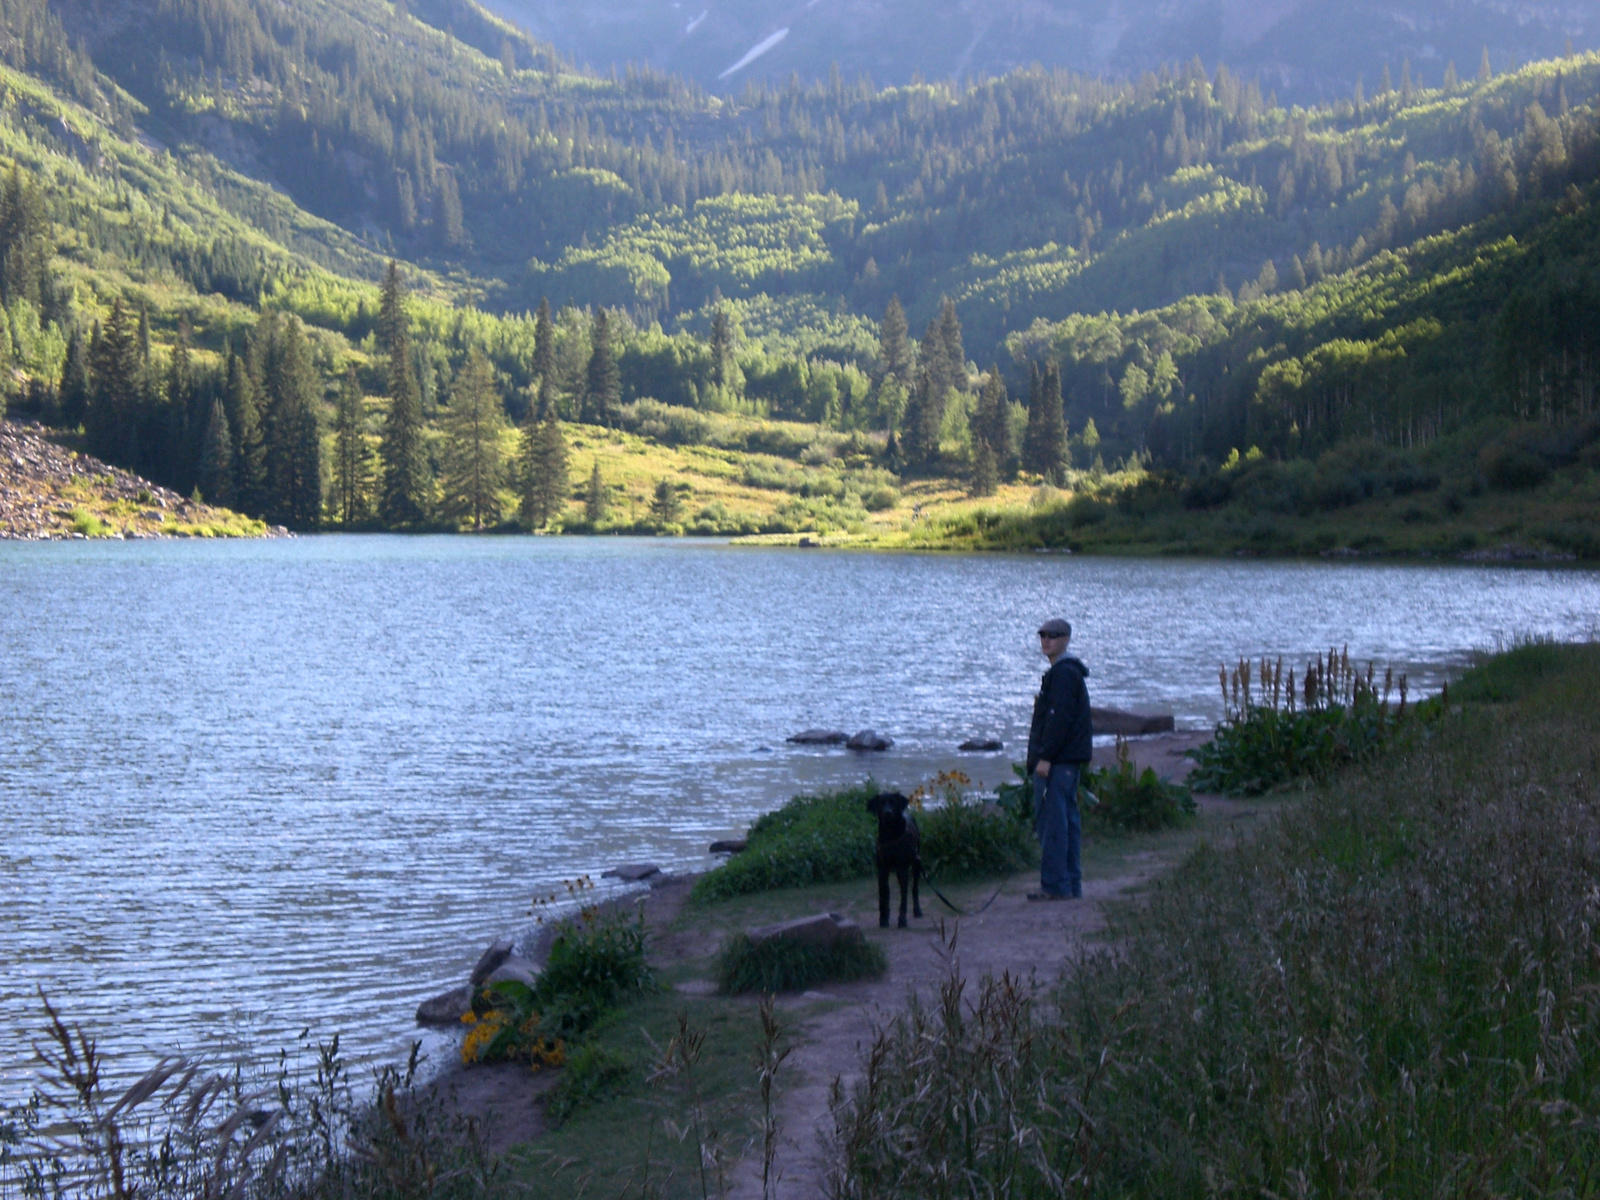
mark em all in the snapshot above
pixel 1393 990
pixel 1277 731
pixel 192 1130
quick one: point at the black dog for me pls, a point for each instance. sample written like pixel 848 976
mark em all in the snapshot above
pixel 899 850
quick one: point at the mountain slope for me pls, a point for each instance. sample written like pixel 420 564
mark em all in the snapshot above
pixel 1306 49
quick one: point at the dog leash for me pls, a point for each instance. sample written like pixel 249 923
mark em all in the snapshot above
pixel 958 910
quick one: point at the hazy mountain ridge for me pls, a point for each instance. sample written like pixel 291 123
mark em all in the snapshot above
pixel 1306 49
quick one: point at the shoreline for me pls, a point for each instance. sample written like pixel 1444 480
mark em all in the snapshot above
pixel 507 1100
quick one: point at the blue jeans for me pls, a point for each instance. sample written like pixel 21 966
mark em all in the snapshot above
pixel 1060 830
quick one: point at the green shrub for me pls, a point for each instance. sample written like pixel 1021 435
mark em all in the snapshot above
pixel 1339 719
pixel 593 1072
pixel 597 961
pixel 1132 801
pixel 780 965
pixel 812 839
pixel 86 523
pixel 881 499
pixel 962 839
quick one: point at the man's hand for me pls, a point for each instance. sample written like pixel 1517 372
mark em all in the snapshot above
pixel 1042 770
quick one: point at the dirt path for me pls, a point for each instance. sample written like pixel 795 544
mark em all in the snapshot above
pixel 1029 940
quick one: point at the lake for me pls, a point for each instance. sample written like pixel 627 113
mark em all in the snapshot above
pixel 253 787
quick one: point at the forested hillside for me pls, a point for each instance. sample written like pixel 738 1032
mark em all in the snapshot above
pixel 1173 277
pixel 1311 49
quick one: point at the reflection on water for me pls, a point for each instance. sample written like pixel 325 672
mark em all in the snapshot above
pixel 261 786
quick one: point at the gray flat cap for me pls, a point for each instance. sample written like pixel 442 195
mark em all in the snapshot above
pixel 1056 627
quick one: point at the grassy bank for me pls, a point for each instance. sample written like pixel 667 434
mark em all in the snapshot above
pixel 1391 991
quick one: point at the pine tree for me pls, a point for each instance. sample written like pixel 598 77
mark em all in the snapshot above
pixel 543 472
pixel 215 479
pixel 240 397
pixel 603 388
pixel 1485 71
pixel 74 381
pixel 923 420
pixel 352 457
pixel 666 506
pixel 474 467
pixel 894 347
pixel 985 475
pixel 1045 447
pixel 24 239
pixel 721 348
pixel 292 428
pixel 112 418
pixel 405 495
pixel 186 418
pixel 544 358
pixel 991 425
pixel 955 354
pixel 594 498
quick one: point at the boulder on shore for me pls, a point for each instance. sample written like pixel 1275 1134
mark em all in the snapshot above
pixel 820 737
pixel 974 745
pixel 632 872
pixel 490 960
pixel 869 739
pixel 516 969
pixel 824 929
pixel 1127 724
pixel 447 1009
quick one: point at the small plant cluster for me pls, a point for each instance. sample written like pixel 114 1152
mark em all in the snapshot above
pixel 1276 731
pixel 963 838
pixel 598 960
pixel 1122 799
pixel 191 1130
pixel 780 965
pixel 826 838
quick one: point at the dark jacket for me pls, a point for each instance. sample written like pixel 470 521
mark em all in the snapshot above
pixel 1061 728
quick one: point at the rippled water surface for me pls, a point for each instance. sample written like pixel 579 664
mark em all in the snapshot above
pixel 254 787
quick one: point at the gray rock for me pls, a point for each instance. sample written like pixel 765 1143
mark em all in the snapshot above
pixel 516 968
pixel 869 739
pixel 447 1009
pixel 491 958
pixel 729 846
pixel 972 745
pixel 821 737
pixel 632 872
pixel 1126 724
pixel 824 929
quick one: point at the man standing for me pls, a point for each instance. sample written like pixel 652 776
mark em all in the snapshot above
pixel 1060 744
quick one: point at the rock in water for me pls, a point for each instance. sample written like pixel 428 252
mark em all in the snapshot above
pixel 972 745
pixel 869 739
pixel 447 1009
pixel 491 958
pixel 820 737
pixel 632 872
pixel 729 846
pixel 825 929
pixel 1126 724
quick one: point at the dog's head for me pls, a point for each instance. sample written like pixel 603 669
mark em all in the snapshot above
pixel 890 809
